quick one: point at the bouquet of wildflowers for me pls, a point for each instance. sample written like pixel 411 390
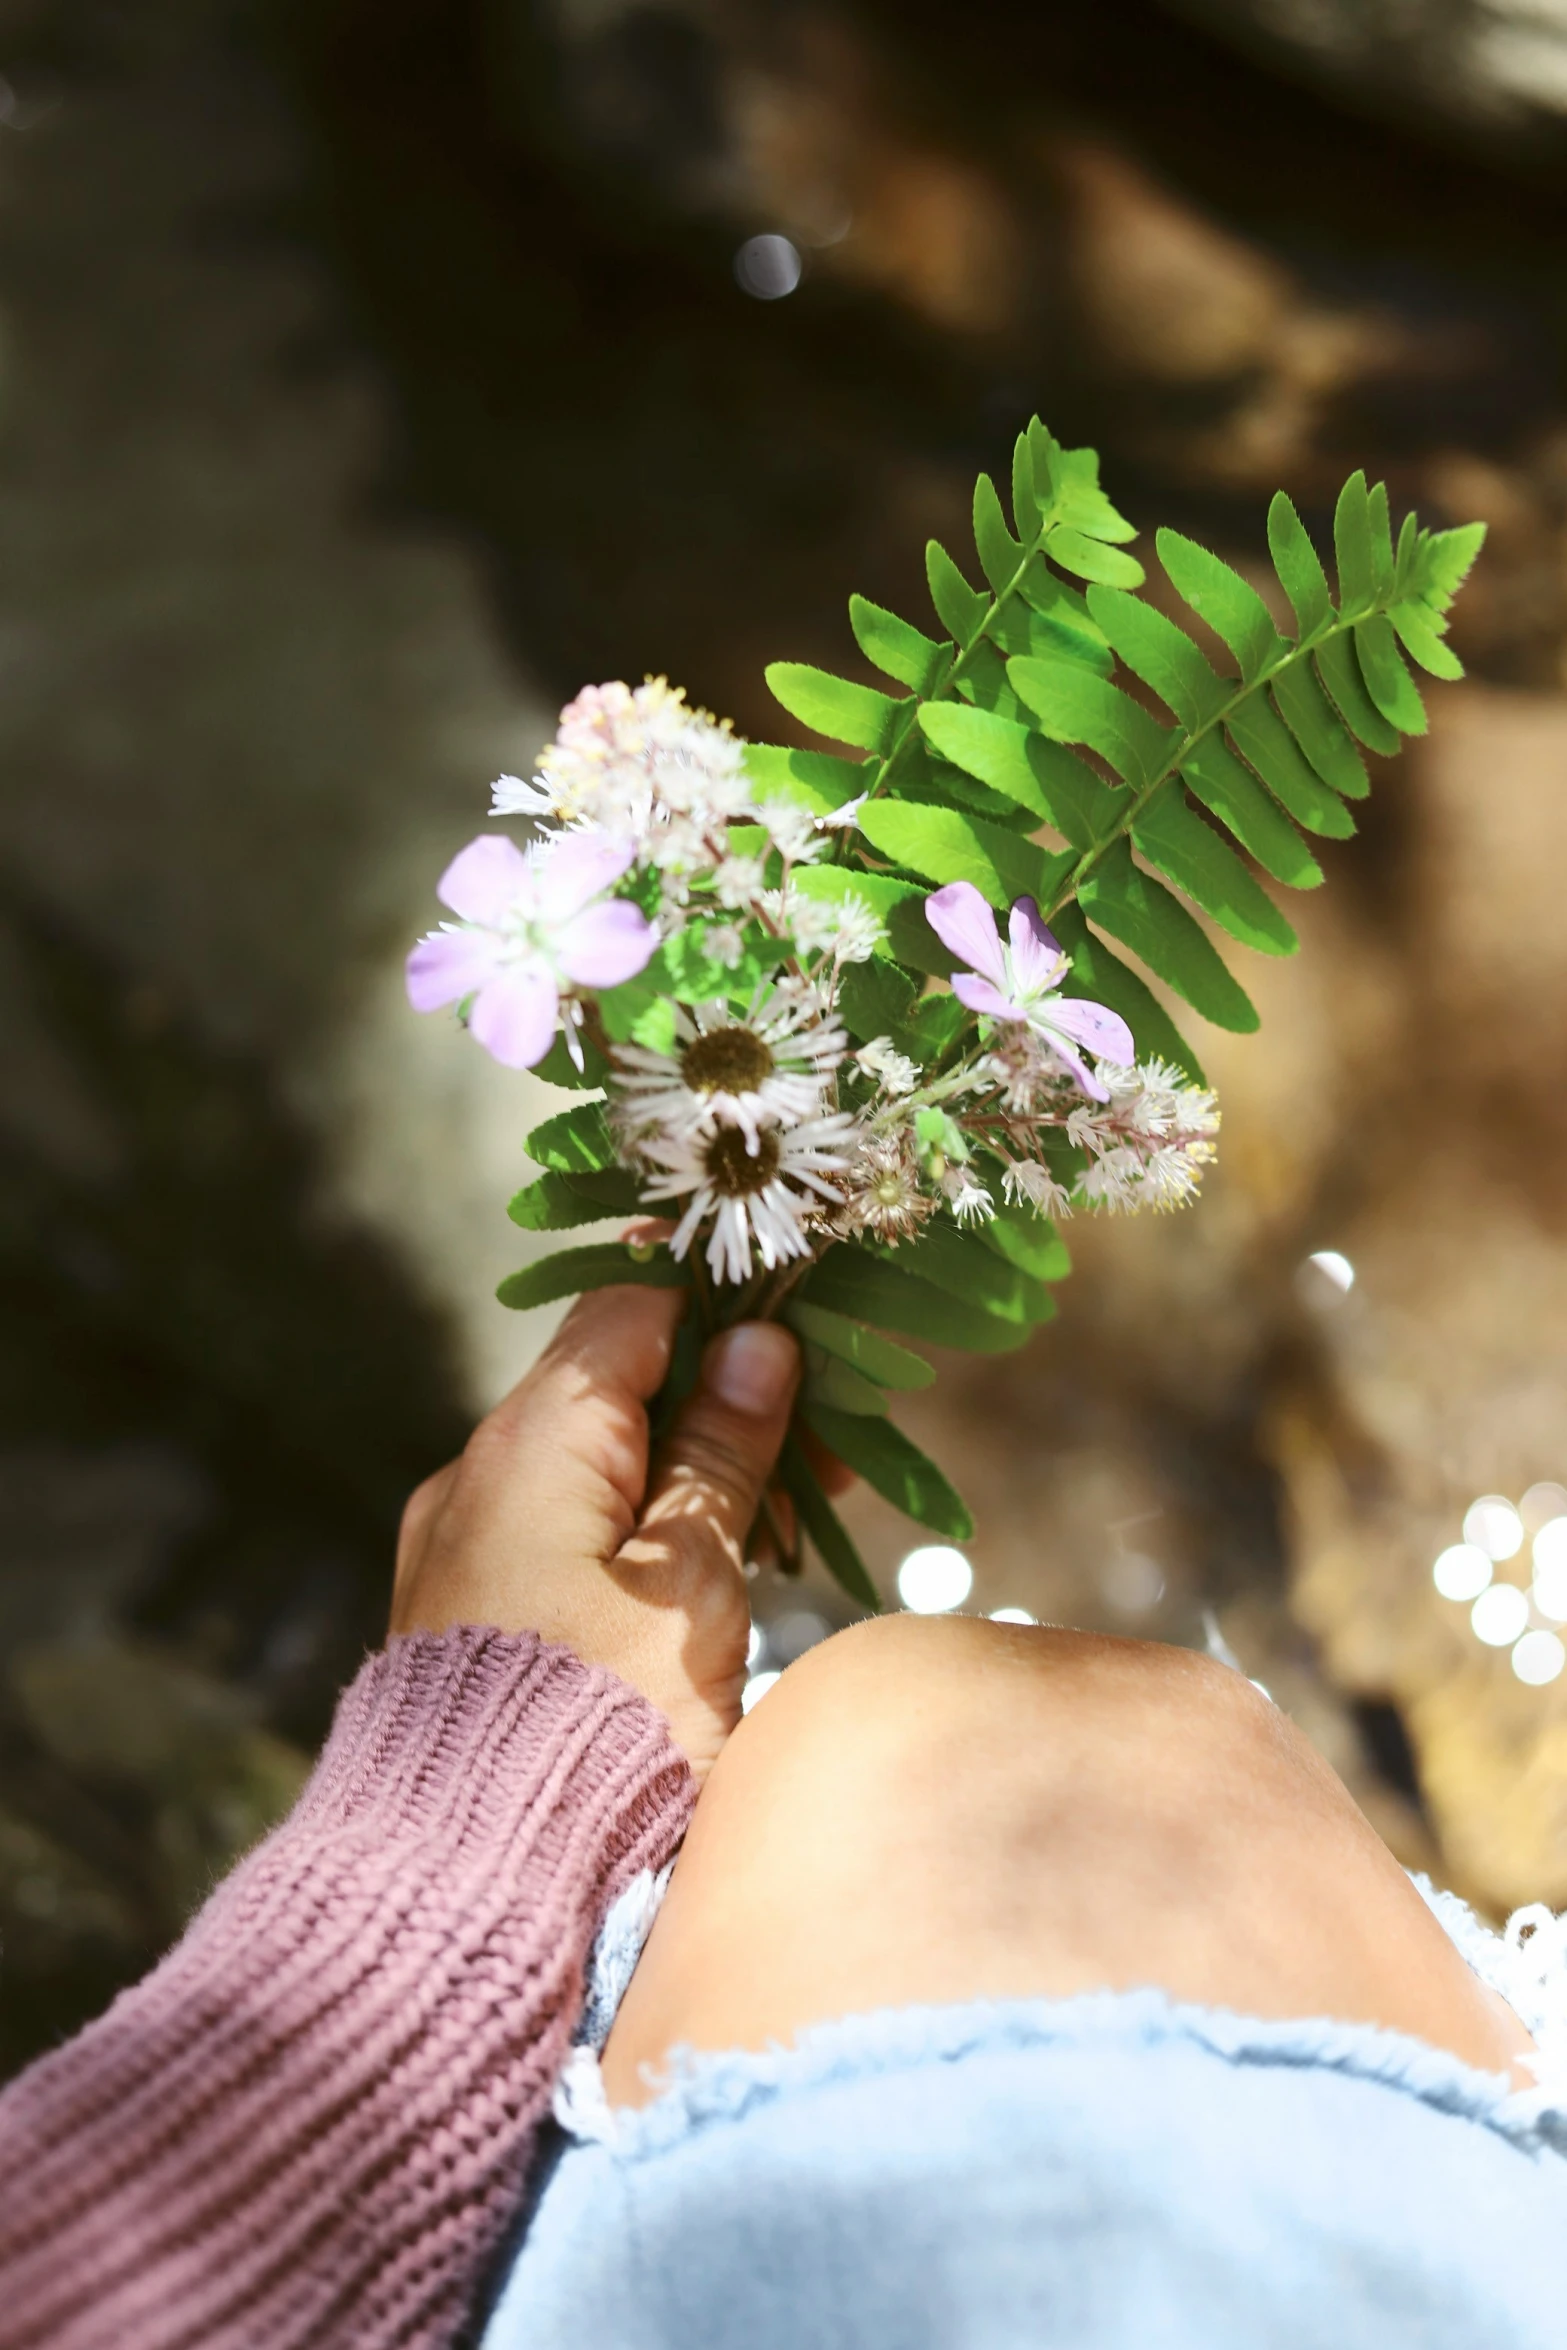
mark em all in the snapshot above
pixel 855 1025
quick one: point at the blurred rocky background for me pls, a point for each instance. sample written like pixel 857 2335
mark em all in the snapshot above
pixel 370 376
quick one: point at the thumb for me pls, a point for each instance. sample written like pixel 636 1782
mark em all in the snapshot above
pixel 722 1450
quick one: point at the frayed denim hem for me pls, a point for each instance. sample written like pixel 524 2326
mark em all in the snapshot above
pixel 1526 1964
pixel 704 2089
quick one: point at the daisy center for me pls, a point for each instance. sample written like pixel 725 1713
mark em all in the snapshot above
pixel 727 1060
pixel 735 1172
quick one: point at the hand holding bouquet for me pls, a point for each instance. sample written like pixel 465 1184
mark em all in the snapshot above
pixel 853 1024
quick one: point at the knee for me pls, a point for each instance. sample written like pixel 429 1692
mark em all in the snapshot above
pixel 957 1706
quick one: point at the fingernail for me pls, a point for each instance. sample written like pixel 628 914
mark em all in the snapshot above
pixel 752 1368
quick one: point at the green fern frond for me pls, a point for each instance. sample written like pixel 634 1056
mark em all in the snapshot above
pixel 1014 720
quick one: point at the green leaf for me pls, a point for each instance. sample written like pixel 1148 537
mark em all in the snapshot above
pixel 1388 682
pixel 1193 856
pixel 985 683
pixel 902 650
pixel 684 969
pixel 850 1281
pixel 551 1205
pixel 1443 561
pixel 623 1009
pixel 1051 619
pixel 1235 796
pixel 1234 611
pixel 936 1021
pixel 1299 567
pixel 1000 556
pixel 1141 913
pixel 893 1467
pixel 1042 776
pixel 830 1381
pixel 1074 706
pixel 874 998
pixel 1357 581
pixel 1382 566
pixel 1025 497
pixel 1422 644
pixel 960 1263
pixel 1090 558
pixel 558 1067
pixel 1161 654
pixel 876 1357
pixel 1340 673
pixel 1029 1241
pixel 959 608
pixel 1074 493
pixel 945 786
pixel 1263 739
pixel 1101 976
pixel 833 706
pixel 604 1264
pixel 1319 730
pixel 554 1203
pixel 946 846
pixel 574 1142
pixel 829 1536
pixel 814 779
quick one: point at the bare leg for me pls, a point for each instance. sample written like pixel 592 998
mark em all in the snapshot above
pixel 941 1810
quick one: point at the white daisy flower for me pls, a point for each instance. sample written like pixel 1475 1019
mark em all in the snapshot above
pixel 772 1068
pixel 765 1197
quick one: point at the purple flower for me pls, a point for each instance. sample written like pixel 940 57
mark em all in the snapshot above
pixel 528 930
pixel 1017 982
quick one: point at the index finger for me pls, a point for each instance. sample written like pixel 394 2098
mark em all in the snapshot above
pixel 617 1338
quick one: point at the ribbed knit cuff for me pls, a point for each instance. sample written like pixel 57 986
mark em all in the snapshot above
pixel 311 2123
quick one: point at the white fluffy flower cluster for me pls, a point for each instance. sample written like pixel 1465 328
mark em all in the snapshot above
pixel 638 763
pixel 1146 1145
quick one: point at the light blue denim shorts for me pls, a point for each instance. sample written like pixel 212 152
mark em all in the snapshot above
pixel 1109 2172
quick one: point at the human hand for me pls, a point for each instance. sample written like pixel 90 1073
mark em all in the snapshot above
pixel 554 1521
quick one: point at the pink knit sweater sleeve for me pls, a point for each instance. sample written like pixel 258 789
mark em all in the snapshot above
pixel 311 2124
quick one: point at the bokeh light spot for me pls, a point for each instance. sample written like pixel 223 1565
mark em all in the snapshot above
pixel 767 267
pixel 1132 1582
pixel 1499 1615
pixel 934 1578
pixel 1538 1658
pixel 1494 1526
pixel 1542 1503
pixel 789 1636
pixel 1462 1572
pixel 1012 1615
pixel 1550 1570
